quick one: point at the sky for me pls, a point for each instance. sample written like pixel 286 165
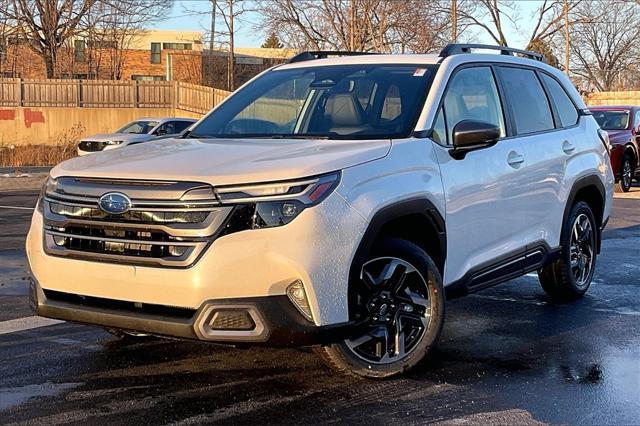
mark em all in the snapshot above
pixel 249 35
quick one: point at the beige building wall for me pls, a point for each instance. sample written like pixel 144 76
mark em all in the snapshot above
pixel 34 126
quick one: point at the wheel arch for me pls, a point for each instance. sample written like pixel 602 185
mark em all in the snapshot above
pixel 400 219
pixel 589 189
pixel 630 148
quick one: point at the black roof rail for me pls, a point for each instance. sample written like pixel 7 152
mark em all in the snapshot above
pixel 322 54
pixel 456 49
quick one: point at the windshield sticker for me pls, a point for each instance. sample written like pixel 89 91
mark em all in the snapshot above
pixel 419 72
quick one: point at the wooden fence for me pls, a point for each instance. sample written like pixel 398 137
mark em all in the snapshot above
pixel 15 92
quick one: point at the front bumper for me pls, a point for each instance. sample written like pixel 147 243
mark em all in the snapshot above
pixel 316 248
pixel 275 321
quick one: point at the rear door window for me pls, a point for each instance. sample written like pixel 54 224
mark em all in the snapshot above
pixel 529 103
pixel 566 109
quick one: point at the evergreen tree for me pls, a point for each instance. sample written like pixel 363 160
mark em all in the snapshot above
pixel 272 42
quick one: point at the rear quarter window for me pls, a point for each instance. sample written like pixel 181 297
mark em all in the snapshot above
pixel 566 109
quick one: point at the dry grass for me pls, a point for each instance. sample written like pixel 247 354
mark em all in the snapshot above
pixel 42 155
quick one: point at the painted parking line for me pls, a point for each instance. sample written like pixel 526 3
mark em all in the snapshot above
pixel 17 208
pixel 27 323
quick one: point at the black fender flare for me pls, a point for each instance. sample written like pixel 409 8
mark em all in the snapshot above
pixel 581 183
pixel 386 214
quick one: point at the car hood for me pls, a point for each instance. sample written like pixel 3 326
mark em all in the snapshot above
pixel 619 136
pixel 225 161
pixel 126 137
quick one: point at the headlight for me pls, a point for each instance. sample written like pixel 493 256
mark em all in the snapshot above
pixel 113 142
pixel 50 185
pixel 274 204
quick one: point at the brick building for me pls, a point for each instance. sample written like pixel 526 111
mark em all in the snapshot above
pixel 152 55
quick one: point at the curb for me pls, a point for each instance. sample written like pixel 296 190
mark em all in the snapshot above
pixel 26 169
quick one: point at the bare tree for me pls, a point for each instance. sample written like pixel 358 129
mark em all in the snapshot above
pixel 7 30
pixel 360 25
pixel 51 26
pixel 48 24
pixel 117 25
pixel 606 42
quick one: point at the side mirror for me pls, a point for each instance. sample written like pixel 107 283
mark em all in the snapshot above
pixel 470 135
pixel 161 132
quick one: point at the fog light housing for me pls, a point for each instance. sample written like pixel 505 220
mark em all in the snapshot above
pixel 298 296
pixel 177 251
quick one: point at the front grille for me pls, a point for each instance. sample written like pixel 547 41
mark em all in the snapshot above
pixel 169 224
pixel 138 216
pixel 92 146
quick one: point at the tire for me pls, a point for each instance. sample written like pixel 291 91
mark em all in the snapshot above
pixel 626 174
pixel 569 277
pixel 391 297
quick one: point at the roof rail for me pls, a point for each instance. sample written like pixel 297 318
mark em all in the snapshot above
pixel 322 54
pixel 456 49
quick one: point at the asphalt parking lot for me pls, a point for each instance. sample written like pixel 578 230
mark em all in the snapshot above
pixel 507 355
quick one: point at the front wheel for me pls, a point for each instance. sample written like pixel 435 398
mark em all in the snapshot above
pixel 398 302
pixel 569 277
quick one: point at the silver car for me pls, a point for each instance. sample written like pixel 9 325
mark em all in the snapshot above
pixel 142 130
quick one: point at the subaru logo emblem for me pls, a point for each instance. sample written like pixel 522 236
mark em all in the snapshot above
pixel 114 203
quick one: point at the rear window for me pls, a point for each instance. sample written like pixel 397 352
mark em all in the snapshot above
pixel 611 120
pixel 528 100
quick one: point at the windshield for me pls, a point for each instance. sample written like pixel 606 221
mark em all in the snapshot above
pixel 138 127
pixel 346 101
pixel 612 120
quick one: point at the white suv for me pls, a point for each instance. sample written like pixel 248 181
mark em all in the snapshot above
pixel 333 201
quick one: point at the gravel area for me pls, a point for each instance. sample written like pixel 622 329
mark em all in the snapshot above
pixel 21 181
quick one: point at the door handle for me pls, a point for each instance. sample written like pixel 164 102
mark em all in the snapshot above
pixel 568 147
pixel 515 159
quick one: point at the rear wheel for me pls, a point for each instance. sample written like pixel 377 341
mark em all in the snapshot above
pixel 399 302
pixel 626 174
pixel 569 277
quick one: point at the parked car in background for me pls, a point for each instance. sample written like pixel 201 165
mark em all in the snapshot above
pixel 622 123
pixel 142 130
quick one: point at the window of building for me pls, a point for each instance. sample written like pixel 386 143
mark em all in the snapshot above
pixel 79 50
pixel 566 108
pixel 147 77
pixel 472 95
pixel 177 46
pixel 156 53
pixel 528 100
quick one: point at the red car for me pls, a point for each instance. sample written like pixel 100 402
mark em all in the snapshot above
pixel 622 123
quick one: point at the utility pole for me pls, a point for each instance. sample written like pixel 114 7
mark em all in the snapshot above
pixel 454 21
pixel 566 36
pixel 231 68
pixel 212 60
pixel 352 15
